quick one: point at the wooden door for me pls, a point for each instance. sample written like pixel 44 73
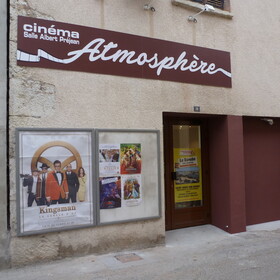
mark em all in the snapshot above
pixel 186 172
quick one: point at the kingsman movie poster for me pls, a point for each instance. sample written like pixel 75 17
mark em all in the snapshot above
pixel 54 180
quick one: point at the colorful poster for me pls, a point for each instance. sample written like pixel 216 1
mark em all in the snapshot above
pixel 131 189
pixel 110 192
pixel 109 160
pixel 115 160
pixel 54 180
pixel 188 181
pixel 131 158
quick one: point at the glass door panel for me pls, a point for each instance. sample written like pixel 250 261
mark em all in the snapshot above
pixel 187 172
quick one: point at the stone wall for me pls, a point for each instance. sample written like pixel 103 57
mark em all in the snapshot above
pixel 40 98
pixel 4 234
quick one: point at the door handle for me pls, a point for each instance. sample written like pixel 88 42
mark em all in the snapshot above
pixel 174 175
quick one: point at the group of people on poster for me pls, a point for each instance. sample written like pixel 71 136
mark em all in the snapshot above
pixel 120 175
pixel 55 187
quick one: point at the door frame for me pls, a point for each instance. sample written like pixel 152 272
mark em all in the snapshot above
pixel 199 218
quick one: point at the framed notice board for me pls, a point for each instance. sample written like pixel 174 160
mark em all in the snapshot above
pixel 128 175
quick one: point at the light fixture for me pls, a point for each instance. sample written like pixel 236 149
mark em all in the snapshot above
pixel 149 7
pixel 269 121
pixel 207 8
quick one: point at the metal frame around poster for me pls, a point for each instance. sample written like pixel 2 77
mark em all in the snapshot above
pixel 147 205
pixel 35 146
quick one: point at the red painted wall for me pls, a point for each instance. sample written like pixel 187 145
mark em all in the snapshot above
pixel 220 213
pixel 262 170
pixel 227 173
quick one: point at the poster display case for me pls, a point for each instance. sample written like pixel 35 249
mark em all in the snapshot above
pixel 54 180
pixel 128 175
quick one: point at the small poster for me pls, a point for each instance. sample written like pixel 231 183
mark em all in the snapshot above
pixel 110 192
pixel 109 160
pixel 54 180
pixel 131 186
pixel 131 160
pixel 188 182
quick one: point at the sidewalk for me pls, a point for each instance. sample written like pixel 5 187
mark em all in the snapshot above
pixel 203 252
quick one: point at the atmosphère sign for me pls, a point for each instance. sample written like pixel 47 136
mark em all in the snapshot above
pixel 57 45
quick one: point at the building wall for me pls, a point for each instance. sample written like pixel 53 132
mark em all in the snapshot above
pixel 52 98
pixel 4 235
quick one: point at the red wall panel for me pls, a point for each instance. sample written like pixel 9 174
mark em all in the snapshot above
pixel 262 170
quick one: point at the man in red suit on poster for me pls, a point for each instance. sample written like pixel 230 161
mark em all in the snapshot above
pixel 56 185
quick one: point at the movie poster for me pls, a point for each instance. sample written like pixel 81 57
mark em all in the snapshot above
pixel 188 182
pixel 132 192
pixel 120 175
pixel 54 180
pixel 109 159
pixel 131 159
pixel 110 192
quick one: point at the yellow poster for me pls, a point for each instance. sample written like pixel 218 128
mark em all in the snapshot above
pixel 188 182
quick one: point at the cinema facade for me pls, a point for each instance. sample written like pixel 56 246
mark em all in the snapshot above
pixel 165 122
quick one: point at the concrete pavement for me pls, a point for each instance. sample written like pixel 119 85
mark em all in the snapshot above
pixel 203 252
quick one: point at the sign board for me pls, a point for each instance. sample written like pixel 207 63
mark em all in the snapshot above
pixel 57 45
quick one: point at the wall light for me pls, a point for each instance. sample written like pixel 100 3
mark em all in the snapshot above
pixel 269 121
pixel 207 8
pixel 149 7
